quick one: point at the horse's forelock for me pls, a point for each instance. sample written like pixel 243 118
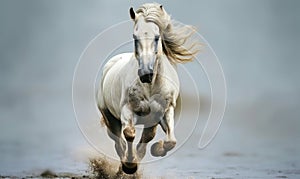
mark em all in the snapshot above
pixel 152 12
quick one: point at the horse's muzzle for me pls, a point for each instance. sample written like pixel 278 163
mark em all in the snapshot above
pixel 146 75
pixel 147 78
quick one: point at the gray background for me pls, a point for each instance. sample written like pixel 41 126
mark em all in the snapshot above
pixel 256 41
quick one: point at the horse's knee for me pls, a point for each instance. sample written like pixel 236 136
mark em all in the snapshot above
pixel 129 133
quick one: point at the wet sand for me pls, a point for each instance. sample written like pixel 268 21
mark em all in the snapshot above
pixel 235 153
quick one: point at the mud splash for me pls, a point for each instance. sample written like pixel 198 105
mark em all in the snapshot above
pixel 103 168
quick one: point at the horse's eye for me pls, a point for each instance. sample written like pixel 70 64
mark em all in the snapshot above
pixel 156 38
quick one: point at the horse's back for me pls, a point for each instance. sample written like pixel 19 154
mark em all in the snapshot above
pixel 109 94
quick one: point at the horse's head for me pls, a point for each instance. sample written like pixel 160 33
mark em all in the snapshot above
pixel 147 46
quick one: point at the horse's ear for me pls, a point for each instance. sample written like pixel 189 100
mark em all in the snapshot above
pixel 161 7
pixel 132 13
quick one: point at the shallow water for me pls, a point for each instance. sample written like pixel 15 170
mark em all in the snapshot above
pixel 256 41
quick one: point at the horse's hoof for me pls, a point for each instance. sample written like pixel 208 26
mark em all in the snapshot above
pixel 129 168
pixel 157 149
pixel 169 145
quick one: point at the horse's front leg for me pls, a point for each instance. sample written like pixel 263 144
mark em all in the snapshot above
pixel 129 162
pixel 157 106
pixel 167 123
pixel 147 135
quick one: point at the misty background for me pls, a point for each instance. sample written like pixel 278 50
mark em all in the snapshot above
pixel 257 43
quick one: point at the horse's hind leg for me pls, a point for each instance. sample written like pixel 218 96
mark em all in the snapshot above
pixel 162 147
pixel 114 131
pixel 147 136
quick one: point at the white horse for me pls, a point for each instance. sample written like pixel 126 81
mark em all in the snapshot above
pixel 142 87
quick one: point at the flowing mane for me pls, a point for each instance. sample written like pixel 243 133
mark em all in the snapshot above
pixel 176 38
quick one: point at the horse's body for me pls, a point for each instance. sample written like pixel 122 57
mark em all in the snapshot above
pixel 118 81
pixel 142 87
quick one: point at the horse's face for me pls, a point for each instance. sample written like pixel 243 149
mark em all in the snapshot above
pixel 147 47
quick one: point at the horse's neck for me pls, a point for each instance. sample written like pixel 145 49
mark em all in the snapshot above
pixel 163 70
pixel 165 65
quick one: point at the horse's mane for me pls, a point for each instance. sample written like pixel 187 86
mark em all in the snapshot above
pixel 176 38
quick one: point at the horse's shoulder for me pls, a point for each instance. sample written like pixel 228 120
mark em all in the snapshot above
pixel 117 59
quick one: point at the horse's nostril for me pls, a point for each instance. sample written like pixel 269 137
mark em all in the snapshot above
pixel 146 78
pixel 151 75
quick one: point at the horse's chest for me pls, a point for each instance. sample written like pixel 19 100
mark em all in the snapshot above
pixel 140 93
pixel 144 100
